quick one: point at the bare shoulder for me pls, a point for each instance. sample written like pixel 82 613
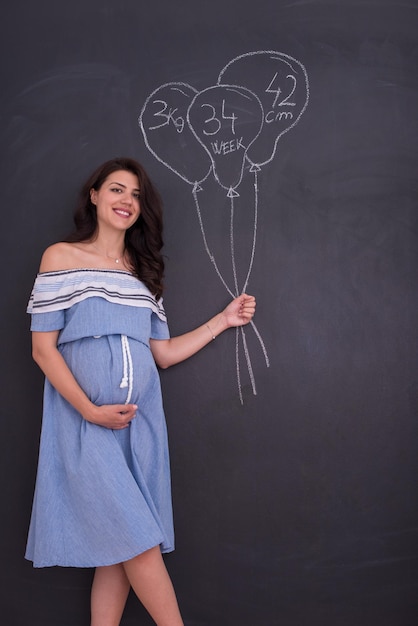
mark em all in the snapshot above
pixel 59 256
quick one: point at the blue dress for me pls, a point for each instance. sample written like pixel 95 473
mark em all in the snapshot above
pixel 102 496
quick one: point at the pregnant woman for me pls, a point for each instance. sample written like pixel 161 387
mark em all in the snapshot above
pixel 99 330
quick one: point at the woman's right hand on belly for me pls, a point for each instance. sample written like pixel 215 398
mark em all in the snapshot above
pixel 113 416
pixel 55 368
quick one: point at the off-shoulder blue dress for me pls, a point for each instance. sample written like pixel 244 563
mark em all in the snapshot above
pixel 102 496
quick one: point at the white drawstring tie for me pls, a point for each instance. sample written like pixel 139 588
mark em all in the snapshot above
pixel 128 368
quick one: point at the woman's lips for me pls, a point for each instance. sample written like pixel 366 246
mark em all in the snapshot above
pixel 122 212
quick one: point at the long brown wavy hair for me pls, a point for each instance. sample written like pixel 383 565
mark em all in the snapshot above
pixel 143 240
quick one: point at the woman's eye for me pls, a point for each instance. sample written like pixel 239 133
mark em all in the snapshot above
pixel 116 189
pixel 137 195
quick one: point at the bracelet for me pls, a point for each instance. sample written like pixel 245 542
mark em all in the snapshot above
pixel 213 336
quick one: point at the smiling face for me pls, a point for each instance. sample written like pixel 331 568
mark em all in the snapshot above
pixel 117 200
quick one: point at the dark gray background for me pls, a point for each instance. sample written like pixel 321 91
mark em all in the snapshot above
pixel 298 507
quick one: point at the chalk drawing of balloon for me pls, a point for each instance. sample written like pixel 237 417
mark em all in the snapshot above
pixel 281 83
pixel 229 128
pixel 168 136
pixel 226 120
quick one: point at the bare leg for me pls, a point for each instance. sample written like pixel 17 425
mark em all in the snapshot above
pixel 149 579
pixel 109 593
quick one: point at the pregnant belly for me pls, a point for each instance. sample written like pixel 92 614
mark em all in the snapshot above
pixel 108 371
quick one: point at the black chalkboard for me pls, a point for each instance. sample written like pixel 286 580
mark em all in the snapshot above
pixel 287 159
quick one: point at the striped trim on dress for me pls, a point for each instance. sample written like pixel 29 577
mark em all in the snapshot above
pixel 54 291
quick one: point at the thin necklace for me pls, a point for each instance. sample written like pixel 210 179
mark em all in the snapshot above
pixel 116 260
